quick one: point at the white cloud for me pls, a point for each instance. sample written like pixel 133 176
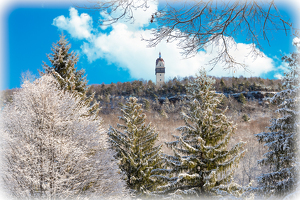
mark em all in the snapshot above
pixel 283 67
pixel 278 76
pixel 79 27
pixel 255 65
pixel 296 40
pixel 123 46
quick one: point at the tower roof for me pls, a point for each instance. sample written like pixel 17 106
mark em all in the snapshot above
pixel 159 59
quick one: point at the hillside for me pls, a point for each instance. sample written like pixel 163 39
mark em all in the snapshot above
pixel 142 88
pixel 163 106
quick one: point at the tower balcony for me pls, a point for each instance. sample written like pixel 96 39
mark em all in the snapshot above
pixel 159 70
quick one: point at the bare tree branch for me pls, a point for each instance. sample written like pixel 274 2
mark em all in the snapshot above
pixel 116 9
pixel 195 24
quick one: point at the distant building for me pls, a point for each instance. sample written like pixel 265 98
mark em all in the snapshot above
pixel 160 71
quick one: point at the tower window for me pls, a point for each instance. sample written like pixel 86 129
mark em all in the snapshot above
pixel 160 74
pixel 160 79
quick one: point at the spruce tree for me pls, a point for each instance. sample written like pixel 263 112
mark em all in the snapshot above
pixel 282 138
pixel 63 68
pixel 135 148
pixel 201 164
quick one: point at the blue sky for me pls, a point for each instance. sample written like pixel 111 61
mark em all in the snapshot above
pixel 116 53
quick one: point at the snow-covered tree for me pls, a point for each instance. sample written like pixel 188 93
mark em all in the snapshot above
pixel 63 67
pixel 202 165
pixel 135 148
pixel 54 148
pixel 282 139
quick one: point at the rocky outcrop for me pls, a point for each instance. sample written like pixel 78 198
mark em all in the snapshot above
pixel 259 95
pixel 253 95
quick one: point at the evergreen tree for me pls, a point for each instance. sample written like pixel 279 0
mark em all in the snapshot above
pixel 223 85
pixel 135 148
pixel 282 138
pixel 242 98
pixel 201 164
pixel 166 104
pixel 146 104
pixel 63 67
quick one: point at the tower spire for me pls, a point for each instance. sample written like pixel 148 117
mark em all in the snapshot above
pixel 159 55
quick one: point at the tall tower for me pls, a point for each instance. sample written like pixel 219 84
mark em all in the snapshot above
pixel 160 71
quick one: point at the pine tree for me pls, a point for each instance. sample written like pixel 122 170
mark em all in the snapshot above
pixel 282 138
pixel 223 85
pixel 201 164
pixel 242 98
pixel 135 148
pixel 165 107
pixel 146 104
pixel 63 68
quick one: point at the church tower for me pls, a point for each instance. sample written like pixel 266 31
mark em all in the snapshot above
pixel 160 71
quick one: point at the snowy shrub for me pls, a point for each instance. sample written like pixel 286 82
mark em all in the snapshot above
pixel 245 117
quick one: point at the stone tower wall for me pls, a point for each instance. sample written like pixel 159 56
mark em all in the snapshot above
pixel 160 79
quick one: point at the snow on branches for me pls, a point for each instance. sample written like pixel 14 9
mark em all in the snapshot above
pixel 63 63
pixel 282 139
pixel 63 68
pixel 135 148
pixel 54 148
pixel 202 165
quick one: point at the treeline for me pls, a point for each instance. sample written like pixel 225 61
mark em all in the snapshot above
pixel 109 96
pixel 143 88
pixel 176 86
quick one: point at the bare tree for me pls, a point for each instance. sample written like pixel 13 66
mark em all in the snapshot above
pixel 53 148
pixel 195 24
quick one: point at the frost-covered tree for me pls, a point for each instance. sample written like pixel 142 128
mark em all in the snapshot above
pixel 63 68
pixel 282 139
pixel 202 165
pixel 54 148
pixel 135 148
